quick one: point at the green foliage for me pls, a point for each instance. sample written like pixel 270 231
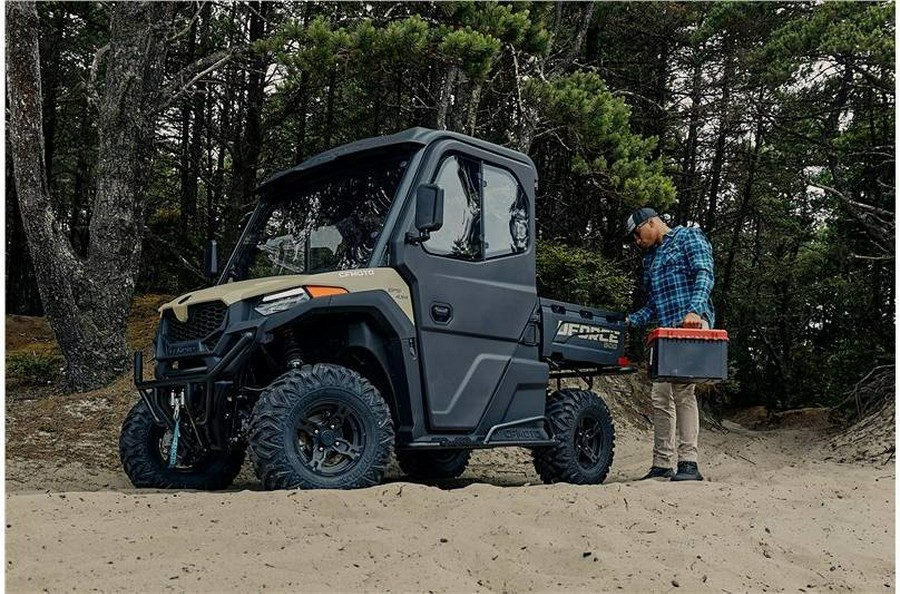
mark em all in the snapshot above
pixel 581 276
pixel 512 24
pixel 832 31
pixel 315 47
pixel 603 148
pixel 474 50
pixel 34 369
pixel 402 39
pixel 787 94
pixel 472 39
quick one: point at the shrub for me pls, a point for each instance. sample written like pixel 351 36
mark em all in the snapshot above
pixel 33 369
pixel 581 276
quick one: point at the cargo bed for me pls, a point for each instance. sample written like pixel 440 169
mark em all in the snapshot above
pixel 574 336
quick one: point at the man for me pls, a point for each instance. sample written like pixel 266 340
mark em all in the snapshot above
pixel 678 279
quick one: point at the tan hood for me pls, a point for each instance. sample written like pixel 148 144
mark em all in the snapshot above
pixel 354 281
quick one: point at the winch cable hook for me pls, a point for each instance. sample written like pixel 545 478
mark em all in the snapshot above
pixel 177 403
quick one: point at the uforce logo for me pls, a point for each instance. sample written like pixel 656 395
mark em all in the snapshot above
pixel 608 339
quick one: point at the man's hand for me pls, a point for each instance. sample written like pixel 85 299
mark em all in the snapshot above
pixel 692 320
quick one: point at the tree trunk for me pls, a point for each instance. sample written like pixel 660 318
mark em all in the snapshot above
pixel 249 146
pixel 688 190
pixel 87 300
pixel 198 108
pixel 718 160
pixel 660 97
pixel 329 109
pixel 300 151
pixel 472 109
pixel 21 286
pixel 80 211
pixel 446 93
pixel 50 42
pixel 216 195
pixel 253 138
pixel 746 198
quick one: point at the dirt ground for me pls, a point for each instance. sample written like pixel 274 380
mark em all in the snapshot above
pixel 774 515
pixel 802 510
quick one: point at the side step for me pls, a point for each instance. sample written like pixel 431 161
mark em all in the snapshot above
pixel 530 433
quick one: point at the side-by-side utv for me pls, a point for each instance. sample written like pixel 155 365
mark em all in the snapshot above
pixel 380 299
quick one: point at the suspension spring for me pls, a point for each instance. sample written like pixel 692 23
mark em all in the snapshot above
pixel 293 355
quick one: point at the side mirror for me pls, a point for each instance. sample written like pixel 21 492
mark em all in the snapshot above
pixel 211 260
pixel 429 212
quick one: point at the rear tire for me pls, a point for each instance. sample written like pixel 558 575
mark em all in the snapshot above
pixel 144 451
pixel 585 438
pixel 320 427
pixel 433 464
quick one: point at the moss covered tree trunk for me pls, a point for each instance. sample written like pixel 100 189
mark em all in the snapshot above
pixel 87 299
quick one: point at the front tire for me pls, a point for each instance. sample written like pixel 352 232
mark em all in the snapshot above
pixel 144 451
pixel 585 437
pixel 320 427
pixel 433 464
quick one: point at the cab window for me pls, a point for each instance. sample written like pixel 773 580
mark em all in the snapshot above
pixel 460 234
pixel 485 211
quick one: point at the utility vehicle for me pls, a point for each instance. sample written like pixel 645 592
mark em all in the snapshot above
pixel 381 299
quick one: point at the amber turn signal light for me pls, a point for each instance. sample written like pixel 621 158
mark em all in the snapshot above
pixel 317 291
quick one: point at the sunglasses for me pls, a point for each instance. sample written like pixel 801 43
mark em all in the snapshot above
pixel 637 229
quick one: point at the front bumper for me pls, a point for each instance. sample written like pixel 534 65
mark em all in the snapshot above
pixel 202 388
pixel 216 365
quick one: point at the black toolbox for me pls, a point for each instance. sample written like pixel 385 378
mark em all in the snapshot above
pixel 688 355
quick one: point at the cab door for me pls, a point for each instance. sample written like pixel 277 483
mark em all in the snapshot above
pixel 473 287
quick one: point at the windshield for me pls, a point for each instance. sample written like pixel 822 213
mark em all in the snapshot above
pixel 329 222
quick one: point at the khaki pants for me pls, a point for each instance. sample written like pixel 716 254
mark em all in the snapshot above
pixel 675 415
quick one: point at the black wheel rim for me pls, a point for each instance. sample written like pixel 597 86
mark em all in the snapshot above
pixel 330 438
pixel 589 441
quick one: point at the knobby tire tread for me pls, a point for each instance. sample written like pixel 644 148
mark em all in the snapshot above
pixel 146 469
pixel 559 463
pixel 270 458
pixel 430 465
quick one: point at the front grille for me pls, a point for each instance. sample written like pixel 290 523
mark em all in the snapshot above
pixel 203 320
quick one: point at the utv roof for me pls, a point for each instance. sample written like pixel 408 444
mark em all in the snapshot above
pixel 417 137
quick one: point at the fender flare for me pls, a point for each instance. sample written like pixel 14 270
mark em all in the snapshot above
pixel 385 332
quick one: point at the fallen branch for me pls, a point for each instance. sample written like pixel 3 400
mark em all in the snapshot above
pixel 874 388
pixel 743 458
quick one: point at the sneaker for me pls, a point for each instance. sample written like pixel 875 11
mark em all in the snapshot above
pixel 659 472
pixel 687 471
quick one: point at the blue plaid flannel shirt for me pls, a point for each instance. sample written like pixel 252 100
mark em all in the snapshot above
pixel 678 278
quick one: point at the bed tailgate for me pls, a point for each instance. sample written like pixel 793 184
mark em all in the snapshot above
pixel 577 334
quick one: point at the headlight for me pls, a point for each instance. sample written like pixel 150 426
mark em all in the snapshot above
pixel 277 302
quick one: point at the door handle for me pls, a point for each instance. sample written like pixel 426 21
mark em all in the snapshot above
pixel 441 313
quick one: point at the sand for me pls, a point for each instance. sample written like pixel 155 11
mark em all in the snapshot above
pixel 777 513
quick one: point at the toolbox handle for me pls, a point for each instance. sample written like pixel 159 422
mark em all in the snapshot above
pixel 688 334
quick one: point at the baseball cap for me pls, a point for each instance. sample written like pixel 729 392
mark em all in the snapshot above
pixel 638 217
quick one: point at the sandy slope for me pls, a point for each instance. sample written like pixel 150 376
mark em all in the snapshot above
pixel 774 516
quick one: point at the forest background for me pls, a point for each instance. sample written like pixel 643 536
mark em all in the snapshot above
pixel 138 131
